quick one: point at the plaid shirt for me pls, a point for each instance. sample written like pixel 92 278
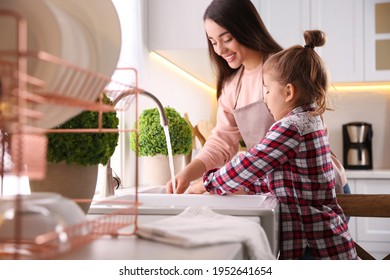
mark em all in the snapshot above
pixel 294 161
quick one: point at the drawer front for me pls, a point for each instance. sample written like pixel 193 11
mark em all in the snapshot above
pixel 373 229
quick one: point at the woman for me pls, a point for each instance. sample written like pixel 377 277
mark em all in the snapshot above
pixel 239 44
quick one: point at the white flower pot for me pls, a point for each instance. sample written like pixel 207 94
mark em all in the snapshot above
pixel 155 171
pixel 71 181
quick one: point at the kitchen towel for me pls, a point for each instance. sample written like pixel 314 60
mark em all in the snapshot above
pixel 197 226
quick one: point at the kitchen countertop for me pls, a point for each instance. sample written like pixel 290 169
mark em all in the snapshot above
pixel 135 248
pixel 368 174
pixel 125 247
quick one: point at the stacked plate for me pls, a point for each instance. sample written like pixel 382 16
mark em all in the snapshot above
pixel 84 33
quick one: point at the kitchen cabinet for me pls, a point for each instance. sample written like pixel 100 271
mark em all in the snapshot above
pixel 176 24
pixel 286 20
pixel 373 234
pixel 342 21
pixel 343 53
pixel 176 33
pixel 377 39
pixel 358 34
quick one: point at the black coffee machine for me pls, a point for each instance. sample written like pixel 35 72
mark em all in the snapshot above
pixel 357 145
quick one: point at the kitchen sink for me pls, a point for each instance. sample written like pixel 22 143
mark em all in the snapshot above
pixel 154 203
pixel 156 198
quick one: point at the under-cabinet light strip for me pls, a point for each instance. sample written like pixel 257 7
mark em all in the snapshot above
pixel 369 87
pixel 360 87
pixel 182 72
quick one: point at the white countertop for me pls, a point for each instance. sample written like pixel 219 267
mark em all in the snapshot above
pixel 368 174
pixel 134 248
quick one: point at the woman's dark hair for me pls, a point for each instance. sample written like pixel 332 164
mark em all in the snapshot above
pixel 303 67
pixel 242 20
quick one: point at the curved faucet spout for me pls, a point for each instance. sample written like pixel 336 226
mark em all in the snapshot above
pixel 163 116
pixel 108 188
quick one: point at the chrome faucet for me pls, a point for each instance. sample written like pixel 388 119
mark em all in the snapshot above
pixel 163 117
pixel 113 182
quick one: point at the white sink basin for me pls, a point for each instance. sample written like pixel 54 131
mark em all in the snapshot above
pixel 156 198
pixel 185 200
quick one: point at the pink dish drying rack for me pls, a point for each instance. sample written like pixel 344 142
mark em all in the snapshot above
pixel 26 143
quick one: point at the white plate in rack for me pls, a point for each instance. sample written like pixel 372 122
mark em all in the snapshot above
pixel 100 25
pixel 77 51
pixel 86 33
pixel 101 19
pixel 43 31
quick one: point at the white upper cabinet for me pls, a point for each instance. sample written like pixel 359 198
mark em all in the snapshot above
pixel 176 32
pixel 342 21
pixel 343 53
pixel 176 24
pixel 358 35
pixel 286 20
pixel 377 40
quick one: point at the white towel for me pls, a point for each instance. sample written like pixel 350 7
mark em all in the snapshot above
pixel 197 226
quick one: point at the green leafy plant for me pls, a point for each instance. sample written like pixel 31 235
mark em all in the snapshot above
pixel 84 148
pixel 152 140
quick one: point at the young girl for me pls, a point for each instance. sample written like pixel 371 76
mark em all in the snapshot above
pixel 294 158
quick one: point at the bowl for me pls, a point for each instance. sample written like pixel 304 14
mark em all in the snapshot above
pixel 25 217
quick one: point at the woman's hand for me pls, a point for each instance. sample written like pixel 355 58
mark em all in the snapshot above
pixel 180 186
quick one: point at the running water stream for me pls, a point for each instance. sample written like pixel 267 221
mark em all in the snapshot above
pixel 170 157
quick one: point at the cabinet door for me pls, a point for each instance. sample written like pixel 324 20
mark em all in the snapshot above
pixel 286 20
pixel 176 24
pixel 373 234
pixel 377 40
pixel 343 53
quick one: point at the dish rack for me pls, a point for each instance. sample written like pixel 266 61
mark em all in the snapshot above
pixel 20 93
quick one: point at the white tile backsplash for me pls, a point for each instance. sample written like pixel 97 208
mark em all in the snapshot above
pixel 370 107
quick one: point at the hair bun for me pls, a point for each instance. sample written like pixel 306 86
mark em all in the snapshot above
pixel 314 38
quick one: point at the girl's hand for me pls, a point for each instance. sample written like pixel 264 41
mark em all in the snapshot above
pixel 197 188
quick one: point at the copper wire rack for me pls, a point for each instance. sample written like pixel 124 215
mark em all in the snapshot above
pixel 23 140
pixel 52 244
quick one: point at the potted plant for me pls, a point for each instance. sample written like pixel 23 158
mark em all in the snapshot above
pixel 73 158
pixel 152 145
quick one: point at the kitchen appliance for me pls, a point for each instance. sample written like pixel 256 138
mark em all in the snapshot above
pixel 357 145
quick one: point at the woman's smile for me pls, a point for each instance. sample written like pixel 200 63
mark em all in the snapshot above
pixel 229 58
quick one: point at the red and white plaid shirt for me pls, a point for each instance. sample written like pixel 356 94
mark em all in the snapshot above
pixel 294 160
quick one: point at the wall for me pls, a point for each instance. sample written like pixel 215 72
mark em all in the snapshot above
pixel 171 89
pixel 168 86
pixel 370 107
